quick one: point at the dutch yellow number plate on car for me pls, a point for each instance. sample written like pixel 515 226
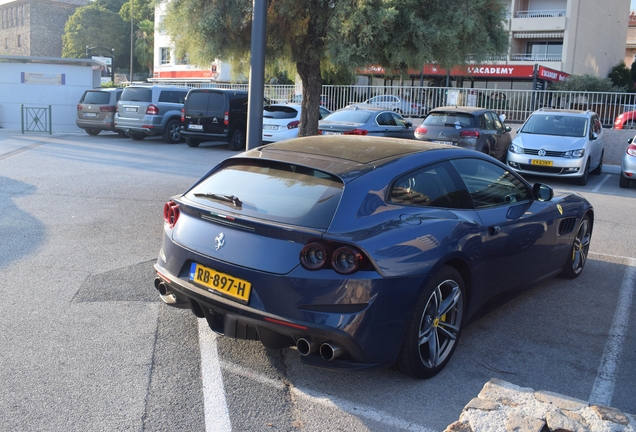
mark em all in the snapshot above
pixel 216 281
pixel 541 162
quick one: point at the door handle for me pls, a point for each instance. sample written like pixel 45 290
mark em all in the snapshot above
pixel 494 230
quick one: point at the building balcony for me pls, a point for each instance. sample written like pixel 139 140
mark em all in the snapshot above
pixel 552 21
pixel 540 13
pixel 536 57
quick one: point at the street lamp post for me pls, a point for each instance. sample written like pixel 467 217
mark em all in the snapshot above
pixel 131 40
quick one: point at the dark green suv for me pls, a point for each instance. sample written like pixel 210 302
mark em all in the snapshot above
pixel 215 115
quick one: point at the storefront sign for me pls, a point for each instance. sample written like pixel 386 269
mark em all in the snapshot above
pixel 552 75
pixel 492 71
pixel 43 78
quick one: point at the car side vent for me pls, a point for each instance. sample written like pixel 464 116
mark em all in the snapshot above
pixel 222 221
pixel 566 226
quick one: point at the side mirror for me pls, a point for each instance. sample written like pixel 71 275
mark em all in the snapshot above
pixel 629 141
pixel 408 124
pixel 542 192
pixel 594 136
pixel 508 128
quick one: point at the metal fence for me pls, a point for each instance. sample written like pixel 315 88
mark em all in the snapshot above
pixel 35 119
pixel 517 105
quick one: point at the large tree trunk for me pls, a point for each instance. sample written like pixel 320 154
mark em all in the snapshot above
pixel 309 72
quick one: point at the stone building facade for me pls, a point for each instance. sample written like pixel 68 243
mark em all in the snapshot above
pixel 34 27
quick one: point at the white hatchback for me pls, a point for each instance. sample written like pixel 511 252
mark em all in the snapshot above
pixel 280 122
pixel 559 143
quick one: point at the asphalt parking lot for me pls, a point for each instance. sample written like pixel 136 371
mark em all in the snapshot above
pixel 88 346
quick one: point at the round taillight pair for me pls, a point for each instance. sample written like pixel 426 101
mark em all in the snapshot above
pixel 344 260
pixel 171 213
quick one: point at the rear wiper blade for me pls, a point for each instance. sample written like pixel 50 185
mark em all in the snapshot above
pixel 221 197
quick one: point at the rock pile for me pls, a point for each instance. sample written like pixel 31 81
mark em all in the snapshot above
pixel 502 406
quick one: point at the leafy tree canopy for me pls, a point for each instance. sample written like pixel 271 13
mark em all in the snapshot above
pixel 142 10
pixel 586 82
pixel 84 28
pixel 621 77
pixel 340 35
pixel 111 5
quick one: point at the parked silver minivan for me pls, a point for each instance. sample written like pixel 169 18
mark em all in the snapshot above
pixel 151 110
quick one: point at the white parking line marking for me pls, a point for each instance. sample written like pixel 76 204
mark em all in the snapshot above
pixel 392 422
pixel 603 388
pixel 596 189
pixel 217 416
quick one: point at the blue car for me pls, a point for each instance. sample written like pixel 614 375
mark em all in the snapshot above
pixel 363 252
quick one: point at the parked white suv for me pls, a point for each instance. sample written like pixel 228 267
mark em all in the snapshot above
pixel 559 143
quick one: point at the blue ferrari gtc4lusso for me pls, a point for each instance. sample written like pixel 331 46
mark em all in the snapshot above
pixel 363 251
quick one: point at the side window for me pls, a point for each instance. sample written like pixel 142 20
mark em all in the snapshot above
pixel 172 96
pixel 385 119
pixel 597 124
pixel 489 184
pixel 434 186
pixel 497 122
pixel 399 121
pixel 488 123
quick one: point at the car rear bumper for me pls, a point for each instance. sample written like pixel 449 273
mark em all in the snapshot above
pixel 104 125
pixel 363 318
pixel 204 136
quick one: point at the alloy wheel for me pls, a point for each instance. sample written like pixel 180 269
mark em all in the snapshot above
pixel 440 324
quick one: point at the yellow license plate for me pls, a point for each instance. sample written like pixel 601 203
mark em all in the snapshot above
pixel 541 162
pixel 216 281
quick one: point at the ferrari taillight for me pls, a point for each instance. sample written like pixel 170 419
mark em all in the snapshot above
pixel 171 213
pixel 343 259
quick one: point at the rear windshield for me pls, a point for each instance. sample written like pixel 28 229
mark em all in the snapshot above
pixel 137 94
pixel 349 116
pixel 279 112
pixel 198 101
pixel 96 97
pixel 273 191
pixel 443 118
pixel 561 125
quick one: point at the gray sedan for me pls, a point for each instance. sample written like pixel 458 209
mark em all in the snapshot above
pixel 366 121
pixel 628 165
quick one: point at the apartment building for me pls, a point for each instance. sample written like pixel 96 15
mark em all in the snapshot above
pixel 34 27
pixel 169 68
pixel 630 47
pixel 550 40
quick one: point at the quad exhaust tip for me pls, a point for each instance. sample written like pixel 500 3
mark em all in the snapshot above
pixel 306 346
pixel 329 351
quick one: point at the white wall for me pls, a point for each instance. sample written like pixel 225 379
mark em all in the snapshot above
pixel 63 98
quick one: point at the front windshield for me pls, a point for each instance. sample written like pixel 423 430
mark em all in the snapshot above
pixel 554 124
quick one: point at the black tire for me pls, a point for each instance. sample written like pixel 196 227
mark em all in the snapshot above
pixel 237 142
pixel 434 329
pixel 582 181
pixel 121 133
pixel 192 142
pixel 136 136
pixel 172 132
pixel 599 168
pixel 577 257
pixel 92 131
pixel 623 181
